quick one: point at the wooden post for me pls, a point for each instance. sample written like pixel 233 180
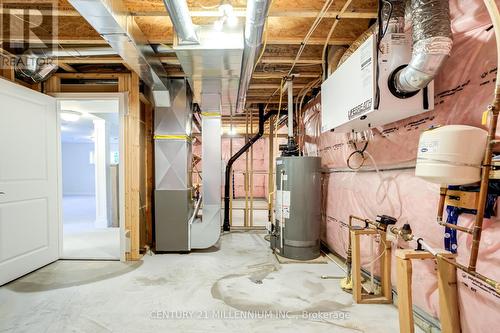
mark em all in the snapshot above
pixel 447 284
pixel 130 84
pixel 448 299
pixel 52 85
pixel 7 73
pixel 149 172
pixel 403 287
pixel 385 268
pixel 356 267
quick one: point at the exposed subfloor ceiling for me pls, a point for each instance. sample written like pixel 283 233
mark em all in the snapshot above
pixel 288 23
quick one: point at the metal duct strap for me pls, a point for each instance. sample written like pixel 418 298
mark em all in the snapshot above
pixel 432 44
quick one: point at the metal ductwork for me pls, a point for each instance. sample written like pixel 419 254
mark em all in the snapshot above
pixel 257 11
pixel 181 19
pixel 432 44
pixel 35 67
pixel 212 66
pixel 110 18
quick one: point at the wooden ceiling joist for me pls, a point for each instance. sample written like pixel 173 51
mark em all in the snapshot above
pixel 273 86
pixel 288 23
pixel 90 60
pixel 34 42
pixel 200 12
pixel 66 67
pixel 276 75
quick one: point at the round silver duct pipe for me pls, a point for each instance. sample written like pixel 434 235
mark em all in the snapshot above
pixel 181 19
pixel 257 11
pixel 432 44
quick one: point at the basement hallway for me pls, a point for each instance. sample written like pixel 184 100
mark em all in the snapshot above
pixel 227 288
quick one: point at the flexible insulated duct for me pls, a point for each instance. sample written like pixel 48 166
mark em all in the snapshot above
pixel 431 45
pixel 395 13
pixel 257 11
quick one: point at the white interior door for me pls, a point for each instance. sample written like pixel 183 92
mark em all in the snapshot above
pixel 29 208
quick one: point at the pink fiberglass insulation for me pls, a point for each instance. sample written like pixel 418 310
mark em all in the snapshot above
pixel 463 90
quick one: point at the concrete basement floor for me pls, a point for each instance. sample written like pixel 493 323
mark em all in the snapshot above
pixel 205 291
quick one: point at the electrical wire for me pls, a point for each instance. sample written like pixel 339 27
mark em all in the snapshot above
pixel 383 251
pixel 315 24
pixel 357 151
pixel 380 35
pixel 372 280
pixel 389 16
pixel 329 36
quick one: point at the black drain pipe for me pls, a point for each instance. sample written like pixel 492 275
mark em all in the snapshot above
pixel 262 121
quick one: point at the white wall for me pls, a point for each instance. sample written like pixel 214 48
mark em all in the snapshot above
pixel 78 172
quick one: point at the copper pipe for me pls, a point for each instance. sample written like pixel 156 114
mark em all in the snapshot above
pixel 456 227
pixel 485 177
pixel 354 217
pixel 493 113
pixel 494 284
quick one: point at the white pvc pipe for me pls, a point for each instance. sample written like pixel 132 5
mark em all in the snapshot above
pixel 290 108
pixel 196 209
pixel 428 247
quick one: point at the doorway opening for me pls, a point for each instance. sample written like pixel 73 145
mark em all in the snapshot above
pixel 90 160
